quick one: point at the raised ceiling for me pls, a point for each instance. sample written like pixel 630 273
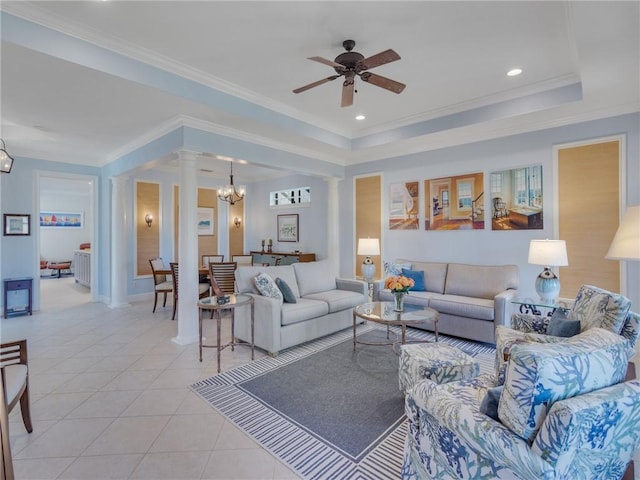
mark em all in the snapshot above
pixel 130 71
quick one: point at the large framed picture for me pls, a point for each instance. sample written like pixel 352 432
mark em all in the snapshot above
pixel 64 219
pixel 205 221
pixel 17 224
pixel 288 228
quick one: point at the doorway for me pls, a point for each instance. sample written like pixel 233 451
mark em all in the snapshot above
pixel 66 240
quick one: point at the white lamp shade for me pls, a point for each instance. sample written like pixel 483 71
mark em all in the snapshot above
pixel 626 242
pixel 550 253
pixel 368 246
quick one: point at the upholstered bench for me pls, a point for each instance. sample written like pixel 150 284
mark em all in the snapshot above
pixel 59 266
pixel 438 362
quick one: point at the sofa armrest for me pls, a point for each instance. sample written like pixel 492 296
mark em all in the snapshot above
pixel 378 286
pixel 583 434
pixel 502 306
pixel 267 320
pixel 472 437
pixel 353 285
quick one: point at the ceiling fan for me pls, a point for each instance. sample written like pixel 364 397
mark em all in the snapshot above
pixel 351 64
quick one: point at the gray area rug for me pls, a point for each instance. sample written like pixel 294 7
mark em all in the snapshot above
pixel 325 411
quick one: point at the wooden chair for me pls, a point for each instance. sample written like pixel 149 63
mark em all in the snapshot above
pixel 242 259
pixel 161 284
pixel 223 278
pixel 203 288
pixel 14 371
pixel 207 259
pixel 6 464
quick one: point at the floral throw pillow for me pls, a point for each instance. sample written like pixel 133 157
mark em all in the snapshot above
pixel 394 269
pixel 267 287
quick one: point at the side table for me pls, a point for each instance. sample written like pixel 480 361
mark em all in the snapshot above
pixel 211 304
pixel 535 307
pixel 16 285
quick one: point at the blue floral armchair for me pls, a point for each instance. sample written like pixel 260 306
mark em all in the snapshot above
pixel 563 413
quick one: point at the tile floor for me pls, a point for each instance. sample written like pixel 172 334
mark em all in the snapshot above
pixel 110 397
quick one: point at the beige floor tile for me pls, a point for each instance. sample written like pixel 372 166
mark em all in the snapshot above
pixel 239 464
pixel 156 402
pixel 173 466
pixel 232 438
pixel 154 361
pixel 194 404
pixel 40 468
pixel 132 380
pixel 20 438
pixel 189 433
pixel 74 365
pixel 41 383
pixel 102 467
pixel 128 435
pixel 283 472
pixel 87 382
pixel 178 378
pixel 67 438
pixel 114 362
pixel 105 404
pixel 56 406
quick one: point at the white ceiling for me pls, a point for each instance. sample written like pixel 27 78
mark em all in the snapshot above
pixel 76 105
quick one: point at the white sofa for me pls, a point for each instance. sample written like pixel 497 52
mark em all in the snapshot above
pixel 324 305
pixel 471 299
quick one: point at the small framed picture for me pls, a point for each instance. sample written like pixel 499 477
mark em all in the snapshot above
pixel 205 221
pixel 17 224
pixel 288 228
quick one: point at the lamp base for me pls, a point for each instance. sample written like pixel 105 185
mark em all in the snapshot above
pixel 548 286
pixel 368 271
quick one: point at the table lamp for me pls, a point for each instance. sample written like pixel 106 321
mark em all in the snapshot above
pixel 626 241
pixel 368 247
pixel 549 253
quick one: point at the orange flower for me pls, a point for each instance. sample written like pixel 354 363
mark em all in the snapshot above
pixel 399 283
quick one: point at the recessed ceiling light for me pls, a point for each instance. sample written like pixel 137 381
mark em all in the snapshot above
pixel 360 117
pixel 514 72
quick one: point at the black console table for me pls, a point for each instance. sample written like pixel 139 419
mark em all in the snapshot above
pixel 15 285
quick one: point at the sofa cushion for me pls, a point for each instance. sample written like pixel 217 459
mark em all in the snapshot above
pixel 418 279
pixel 314 277
pixel 480 281
pixel 413 298
pixel 540 374
pixel 337 300
pixel 435 274
pixel 245 275
pixel 479 308
pixel 303 309
pixel 490 402
pixel 595 307
pixel 393 269
pixel 287 294
pixel 562 326
pixel 267 287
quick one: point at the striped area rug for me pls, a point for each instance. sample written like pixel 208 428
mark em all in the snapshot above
pixel 305 453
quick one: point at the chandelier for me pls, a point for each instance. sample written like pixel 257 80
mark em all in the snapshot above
pixel 229 193
pixel 6 160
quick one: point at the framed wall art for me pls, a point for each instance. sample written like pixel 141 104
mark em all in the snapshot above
pixel 205 221
pixel 516 199
pixel 404 206
pixel 288 230
pixel 17 224
pixel 62 219
pixel 455 203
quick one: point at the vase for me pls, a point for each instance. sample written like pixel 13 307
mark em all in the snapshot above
pixel 399 301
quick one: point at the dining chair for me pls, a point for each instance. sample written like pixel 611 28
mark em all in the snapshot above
pixel 242 259
pixel 14 371
pixel 223 277
pixel 207 259
pixel 203 288
pixel 161 284
pixel 6 467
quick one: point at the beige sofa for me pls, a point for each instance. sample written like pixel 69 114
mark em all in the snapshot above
pixel 324 305
pixel 471 299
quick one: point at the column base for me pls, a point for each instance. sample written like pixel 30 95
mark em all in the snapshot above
pixel 185 340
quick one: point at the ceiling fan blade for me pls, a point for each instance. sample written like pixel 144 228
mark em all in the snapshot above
pixel 383 82
pixel 324 61
pixel 347 92
pixel 315 84
pixel 378 59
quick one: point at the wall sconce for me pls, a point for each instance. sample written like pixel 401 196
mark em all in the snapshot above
pixel 237 222
pixel 149 219
pixel 6 160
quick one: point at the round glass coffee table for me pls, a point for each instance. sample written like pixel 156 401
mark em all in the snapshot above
pixel 384 314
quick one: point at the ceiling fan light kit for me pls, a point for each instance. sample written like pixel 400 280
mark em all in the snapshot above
pixel 351 64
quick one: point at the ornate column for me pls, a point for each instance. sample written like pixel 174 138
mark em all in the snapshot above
pixel 188 251
pixel 118 243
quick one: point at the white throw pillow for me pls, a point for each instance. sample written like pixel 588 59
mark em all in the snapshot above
pixel 267 287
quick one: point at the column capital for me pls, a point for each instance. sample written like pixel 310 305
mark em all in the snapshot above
pixel 187 156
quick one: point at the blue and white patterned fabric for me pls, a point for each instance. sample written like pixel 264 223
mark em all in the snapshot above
pixel 595 307
pixel 393 269
pixel 538 375
pixel 267 287
pixel 439 362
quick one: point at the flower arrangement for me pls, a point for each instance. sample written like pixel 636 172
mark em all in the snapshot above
pixel 399 284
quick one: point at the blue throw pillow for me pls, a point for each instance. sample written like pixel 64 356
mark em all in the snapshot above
pixel 489 404
pixel 418 278
pixel 288 295
pixel 561 326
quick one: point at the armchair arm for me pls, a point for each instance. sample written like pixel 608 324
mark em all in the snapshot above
pixel 353 285
pixel 502 306
pixel 527 323
pixel 461 442
pixel 592 435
